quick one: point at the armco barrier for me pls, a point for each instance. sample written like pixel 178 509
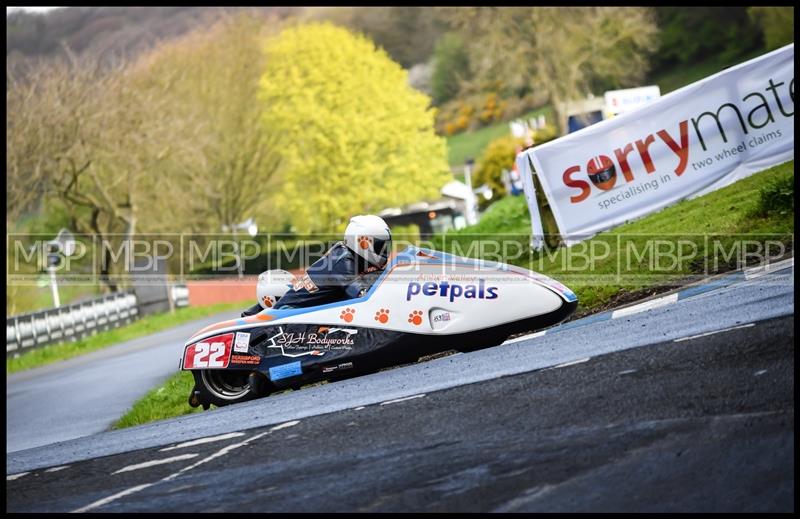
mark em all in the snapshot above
pixel 72 322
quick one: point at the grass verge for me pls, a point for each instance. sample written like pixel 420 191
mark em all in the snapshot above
pixel 24 299
pixel 466 145
pixel 165 401
pixel 144 326
pixel 682 76
pixel 169 400
pixel 702 234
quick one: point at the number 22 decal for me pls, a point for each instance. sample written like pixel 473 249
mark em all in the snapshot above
pixel 213 351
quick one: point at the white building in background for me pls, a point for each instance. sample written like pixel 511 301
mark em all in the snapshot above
pixel 621 101
pixel 457 209
pixel 585 112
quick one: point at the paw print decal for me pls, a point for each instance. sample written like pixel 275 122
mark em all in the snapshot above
pixel 382 316
pixel 363 242
pixel 347 315
pixel 415 317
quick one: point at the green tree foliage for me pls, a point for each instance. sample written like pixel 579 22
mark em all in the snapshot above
pixel 562 52
pixel 356 137
pixel 499 155
pixel 692 34
pixel 451 64
pixel 777 23
pixel 408 34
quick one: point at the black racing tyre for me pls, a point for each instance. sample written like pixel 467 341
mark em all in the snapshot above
pixel 222 386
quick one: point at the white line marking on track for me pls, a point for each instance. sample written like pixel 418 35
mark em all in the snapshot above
pixel 110 499
pixel 647 305
pixel 572 363
pixel 526 337
pixel 221 452
pixel 714 332
pixel 153 463
pixel 757 272
pixel 200 441
pixel 760 372
pixel 56 469
pixel 402 399
pixel 285 425
pixel 359 408
pixel 16 476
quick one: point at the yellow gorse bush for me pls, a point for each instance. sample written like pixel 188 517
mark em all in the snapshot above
pixel 355 137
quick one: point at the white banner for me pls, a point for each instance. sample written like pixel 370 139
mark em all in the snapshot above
pixel 523 166
pixel 689 142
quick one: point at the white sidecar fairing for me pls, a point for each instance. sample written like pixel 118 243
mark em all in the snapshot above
pixel 424 301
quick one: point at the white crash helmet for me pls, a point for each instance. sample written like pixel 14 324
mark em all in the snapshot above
pixel 369 237
pixel 271 286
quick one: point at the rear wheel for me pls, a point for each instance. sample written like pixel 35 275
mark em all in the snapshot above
pixel 222 387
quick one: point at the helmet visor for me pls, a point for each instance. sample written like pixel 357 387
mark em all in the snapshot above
pixel 382 247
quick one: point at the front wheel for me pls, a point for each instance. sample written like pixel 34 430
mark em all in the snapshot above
pixel 222 387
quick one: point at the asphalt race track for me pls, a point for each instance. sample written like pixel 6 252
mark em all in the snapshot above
pixel 686 406
pixel 87 394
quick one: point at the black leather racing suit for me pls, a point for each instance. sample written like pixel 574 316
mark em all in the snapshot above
pixel 340 274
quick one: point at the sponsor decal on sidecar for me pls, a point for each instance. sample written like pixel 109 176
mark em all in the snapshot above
pixel 441 317
pixel 451 290
pixel 342 366
pixel 242 342
pixel 298 344
pixel 245 359
pixel 285 370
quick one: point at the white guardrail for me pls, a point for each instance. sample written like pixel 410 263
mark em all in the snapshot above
pixel 180 295
pixel 75 321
